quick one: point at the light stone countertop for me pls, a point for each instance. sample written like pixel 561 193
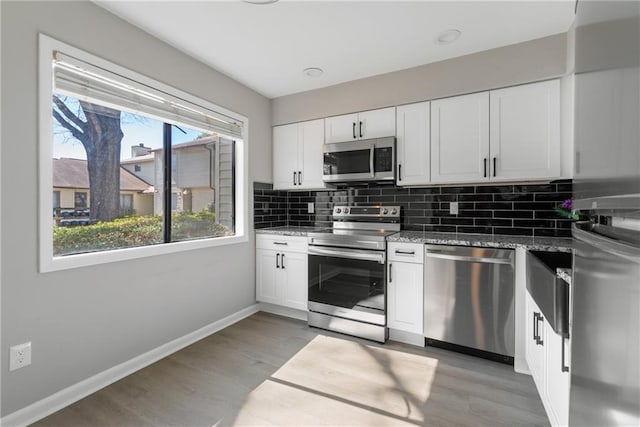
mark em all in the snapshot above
pixel 556 244
pixel 289 231
pixel 564 274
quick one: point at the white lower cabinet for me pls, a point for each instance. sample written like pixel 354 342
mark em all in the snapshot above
pixel 281 271
pixel 405 287
pixel 544 354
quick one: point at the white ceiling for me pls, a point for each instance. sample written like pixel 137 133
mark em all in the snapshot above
pixel 266 47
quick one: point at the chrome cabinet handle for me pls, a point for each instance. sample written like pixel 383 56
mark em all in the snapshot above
pixel 281 243
pixel 538 317
pixel 485 167
pixel 390 275
pixel 277 260
pixel 354 130
pixel 282 261
pixel 299 177
pixel 563 366
pixel 494 166
pixel 360 129
pixel 294 177
pixel 400 172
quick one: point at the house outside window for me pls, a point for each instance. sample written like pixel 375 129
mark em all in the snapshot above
pixel 205 142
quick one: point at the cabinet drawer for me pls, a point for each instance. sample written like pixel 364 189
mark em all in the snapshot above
pixel 405 252
pixel 283 243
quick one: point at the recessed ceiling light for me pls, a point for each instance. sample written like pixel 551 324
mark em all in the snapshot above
pixel 448 36
pixel 313 72
pixel 260 1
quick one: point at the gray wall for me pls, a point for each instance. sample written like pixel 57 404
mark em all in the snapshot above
pixel 86 320
pixel 520 63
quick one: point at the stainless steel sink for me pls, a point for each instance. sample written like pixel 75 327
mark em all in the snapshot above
pixel 549 291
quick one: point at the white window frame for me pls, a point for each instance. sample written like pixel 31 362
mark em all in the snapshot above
pixel 47 261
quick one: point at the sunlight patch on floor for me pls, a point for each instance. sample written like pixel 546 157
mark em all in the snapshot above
pixel 334 381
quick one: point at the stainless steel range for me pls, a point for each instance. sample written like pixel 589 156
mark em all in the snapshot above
pixel 347 271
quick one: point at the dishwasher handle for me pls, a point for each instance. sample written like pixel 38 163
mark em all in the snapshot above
pixel 450 257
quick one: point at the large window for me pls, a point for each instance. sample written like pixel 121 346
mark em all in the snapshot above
pixel 145 165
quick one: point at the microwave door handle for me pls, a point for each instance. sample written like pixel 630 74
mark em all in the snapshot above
pixel 371 161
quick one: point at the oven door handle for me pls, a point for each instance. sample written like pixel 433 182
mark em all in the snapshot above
pixel 378 257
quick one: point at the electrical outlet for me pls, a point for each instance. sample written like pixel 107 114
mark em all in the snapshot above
pixel 453 208
pixel 19 356
pixel 311 207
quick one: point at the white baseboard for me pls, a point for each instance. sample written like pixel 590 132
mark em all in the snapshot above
pixel 282 311
pixel 71 394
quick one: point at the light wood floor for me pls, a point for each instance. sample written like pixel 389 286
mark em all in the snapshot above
pixel 271 370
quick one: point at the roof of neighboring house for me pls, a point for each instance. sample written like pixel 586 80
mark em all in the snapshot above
pixel 73 173
pixel 139 159
pixel 194 143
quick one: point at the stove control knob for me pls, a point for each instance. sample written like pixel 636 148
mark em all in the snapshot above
pixel 385 211
pixel 346 210
pixel 394 211
pixel 338 210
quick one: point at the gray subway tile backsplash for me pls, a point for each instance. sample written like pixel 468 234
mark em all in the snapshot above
pixel 515 209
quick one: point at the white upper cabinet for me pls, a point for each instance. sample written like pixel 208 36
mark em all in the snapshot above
pixel 377 123
pixel 341 128
pixel 502 135
pixel 525 131
pixel 413 148
pixel 297 155
pixel 364 125
pixel 311 141
pixel 460 139
pixel 285 156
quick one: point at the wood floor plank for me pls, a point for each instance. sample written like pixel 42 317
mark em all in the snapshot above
pixel 271 370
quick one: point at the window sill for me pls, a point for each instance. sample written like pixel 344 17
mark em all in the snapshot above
pixel 96 258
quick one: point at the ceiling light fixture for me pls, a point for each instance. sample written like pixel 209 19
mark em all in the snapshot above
pixel 313 72
pixel 260 1
pixel 448 36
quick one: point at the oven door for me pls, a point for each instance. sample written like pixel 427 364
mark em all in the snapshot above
pixel 348 283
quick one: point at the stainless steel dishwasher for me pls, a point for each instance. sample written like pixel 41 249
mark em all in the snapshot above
pixel 469 300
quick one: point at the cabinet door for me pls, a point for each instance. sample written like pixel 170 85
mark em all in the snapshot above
pixel 525 131
pixel 341 128
pixel 535 345
pixel 295 280
pixel 558 382
pixel 311 140
pixel 460 139
pixel 285 157
pixel 405 297
pixel 376 123
pixel 413 144
pixel 267 276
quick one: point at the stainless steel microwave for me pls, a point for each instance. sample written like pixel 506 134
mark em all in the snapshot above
pixel 360 161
